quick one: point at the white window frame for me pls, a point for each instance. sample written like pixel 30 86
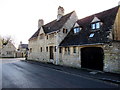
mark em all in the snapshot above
pixel 91 35
pixel 95 26
pixel 76 30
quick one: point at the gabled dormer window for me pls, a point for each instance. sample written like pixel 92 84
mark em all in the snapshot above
pixel 95 25
pixel 76 30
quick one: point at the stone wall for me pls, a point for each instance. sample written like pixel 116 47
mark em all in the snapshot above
pixel 112 57
pixel 70 59
pixel 116 27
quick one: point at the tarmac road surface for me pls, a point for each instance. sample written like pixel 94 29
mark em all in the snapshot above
pixel 19 74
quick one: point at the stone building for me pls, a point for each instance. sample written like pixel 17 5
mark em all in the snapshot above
pixel 8 50
pixel 43 45
pixel 92 42
pixel 22 50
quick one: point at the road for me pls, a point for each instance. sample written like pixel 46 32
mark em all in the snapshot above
pixel 20 74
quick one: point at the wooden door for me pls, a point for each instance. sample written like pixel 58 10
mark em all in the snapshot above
pixel 92 58
pixel 51 52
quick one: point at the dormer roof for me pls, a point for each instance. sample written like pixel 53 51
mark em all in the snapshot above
pixel 95 19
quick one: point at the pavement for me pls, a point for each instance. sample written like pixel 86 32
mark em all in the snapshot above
pixel 100 75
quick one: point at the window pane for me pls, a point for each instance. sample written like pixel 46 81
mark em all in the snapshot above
pixel 47 36
pixel 66 30
pixel 68 50
pixel 41 49
pixel 30 50
pixel 97 25
pixel 41 36
pixel 76 30
pixel 65 50
pixel 93 26
pixel 74 49
pixel 46 49
pixel 60 50
pixel 91 35
pixel 55 48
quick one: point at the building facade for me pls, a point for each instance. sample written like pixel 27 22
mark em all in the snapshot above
pixel 44 44
pixel 8 50
pixel 22 50
pixel 92 42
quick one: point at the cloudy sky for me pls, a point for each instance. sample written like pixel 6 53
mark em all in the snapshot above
pixel 19 18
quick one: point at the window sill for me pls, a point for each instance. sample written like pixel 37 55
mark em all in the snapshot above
pixel 94 30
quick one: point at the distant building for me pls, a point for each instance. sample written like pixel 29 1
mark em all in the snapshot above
pixel 8 50
pixel 92 42
pixel 22 50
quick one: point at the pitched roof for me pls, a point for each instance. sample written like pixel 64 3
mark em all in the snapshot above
pixel 24 45
pixel 35 34
pixel 53 25
pixel 100 36
pixel 56 25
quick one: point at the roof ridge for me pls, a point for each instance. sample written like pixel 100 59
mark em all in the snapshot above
pixel 48 26
pixel 56 19
pixel 83 37
pixel 98 13
pixel 56 24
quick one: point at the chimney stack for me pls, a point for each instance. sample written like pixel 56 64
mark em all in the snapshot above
pixel 119 3
pixel 40 23
pixel 60 12
pixel 20 42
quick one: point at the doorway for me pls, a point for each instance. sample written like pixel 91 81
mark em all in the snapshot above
pixel 92 58
pixel 51 52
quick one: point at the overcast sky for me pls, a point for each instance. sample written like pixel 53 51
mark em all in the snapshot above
pixel 19 18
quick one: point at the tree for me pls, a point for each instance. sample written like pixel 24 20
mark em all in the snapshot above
pixel 6 39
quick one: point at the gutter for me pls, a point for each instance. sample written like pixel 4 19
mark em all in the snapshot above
pixel 84 45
